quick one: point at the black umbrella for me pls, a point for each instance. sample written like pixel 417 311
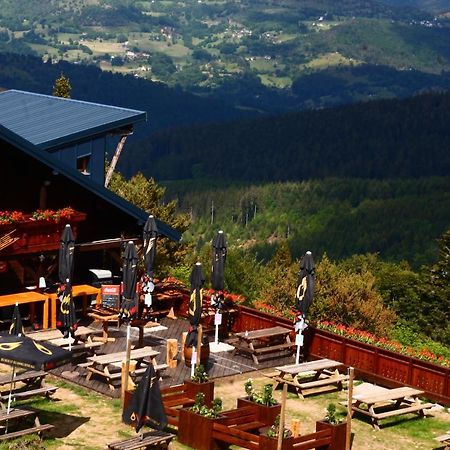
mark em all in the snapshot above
pixel 128 308
pixel 22 351
pixel 146 405
pixel 197 279
pixel 305 284
pixel 150 237
pixel 219 254
pixel 66 249
pixel 304 297
pixel 16 327
pixel 67 321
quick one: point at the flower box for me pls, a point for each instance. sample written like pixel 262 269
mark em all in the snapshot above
pixel 266 414
pixel 38 235
pixel 269 443
pixel 338 433
pixel 196 431
pixel 207 388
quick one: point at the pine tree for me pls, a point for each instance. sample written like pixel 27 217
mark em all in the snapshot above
pixel 62 87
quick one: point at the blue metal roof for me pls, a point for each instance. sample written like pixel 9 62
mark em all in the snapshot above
pixel 48 121
pixel 139 214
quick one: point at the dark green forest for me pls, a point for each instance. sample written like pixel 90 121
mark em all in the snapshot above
pixel 398 219
pixel 380 139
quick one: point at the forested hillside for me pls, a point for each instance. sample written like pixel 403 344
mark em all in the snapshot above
pixel 400 219
pixel 380 139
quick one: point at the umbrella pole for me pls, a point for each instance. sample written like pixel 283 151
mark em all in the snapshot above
pixel 127 359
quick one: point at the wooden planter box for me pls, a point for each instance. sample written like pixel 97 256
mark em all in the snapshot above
pixel 267 443
pixel 196 431
pixel 192 389
pixel 266 414
pixel 38 235
pixel 338 434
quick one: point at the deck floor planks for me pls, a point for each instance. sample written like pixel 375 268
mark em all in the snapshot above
pixel 220 364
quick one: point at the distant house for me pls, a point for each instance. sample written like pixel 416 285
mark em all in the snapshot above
pixel 76 133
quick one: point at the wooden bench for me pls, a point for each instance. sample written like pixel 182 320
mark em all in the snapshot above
pixel 30 377
pixel 18 415
pixel 151 439
pixel 37 429
pixel 44 390
pixel 420 409
pixel 444 439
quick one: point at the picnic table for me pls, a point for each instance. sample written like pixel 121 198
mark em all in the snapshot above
pixel 105 316
pixel 33 384
pixel 310 377
pixel 83 339
pixel 102 364
pixel 82 290
pixel 264 341
pixel 389 403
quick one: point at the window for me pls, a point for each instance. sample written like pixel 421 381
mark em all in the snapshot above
pixel 84 164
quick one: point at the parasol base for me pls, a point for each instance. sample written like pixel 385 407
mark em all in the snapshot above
pixel 220 347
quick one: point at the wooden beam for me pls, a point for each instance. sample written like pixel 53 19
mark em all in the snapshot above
pixel 115 158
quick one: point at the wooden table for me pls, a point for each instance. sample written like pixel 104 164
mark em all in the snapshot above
pixel 30 297
pixel 84 338
pixel 98 364
pixel 83 291
pixel 105 316
pixel 394 402
pixel 315 376
pixel 264 341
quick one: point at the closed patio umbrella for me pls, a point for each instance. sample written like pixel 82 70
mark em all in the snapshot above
pixel 219 254
pixel 197 279
pixel 150 237
pixel 146 405
pixel 66 321
pixel 129 306
pixel 304 297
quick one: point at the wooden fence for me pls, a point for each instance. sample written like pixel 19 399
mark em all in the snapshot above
pixel 370 362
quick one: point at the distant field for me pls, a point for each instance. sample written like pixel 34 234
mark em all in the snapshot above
pixel 329 60
pixel 100 48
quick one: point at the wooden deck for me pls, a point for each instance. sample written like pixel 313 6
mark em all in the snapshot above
pixel 220 364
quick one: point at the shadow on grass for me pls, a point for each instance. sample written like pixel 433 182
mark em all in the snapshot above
pixel 64 424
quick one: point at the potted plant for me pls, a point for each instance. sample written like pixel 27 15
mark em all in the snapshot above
pixel 268 407
pixel 269 438
pixel 200 382
pixel 195 426
pixel 337 425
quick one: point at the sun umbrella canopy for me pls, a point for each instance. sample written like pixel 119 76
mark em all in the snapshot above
pixel 197 279
pixel 66 249
pixel 219 254
pixel 146 404
pixel 128 309
pixel 305 284
pixel 67 321
pixel 150 237
pixel 22 351
pixel 16 327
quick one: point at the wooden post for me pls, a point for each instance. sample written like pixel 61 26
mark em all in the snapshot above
pixel 115 158
pixel 183 343
pixel 348 436
pixel 295 427
pixel 127 382
pixel 283 409
pixel 126 369
pixel 172 351
pixel 199 343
